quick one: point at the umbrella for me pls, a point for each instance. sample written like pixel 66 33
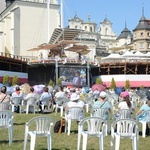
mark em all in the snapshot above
pixel 99 87
pixel 38 89
pixel 25 88
pixel 10 90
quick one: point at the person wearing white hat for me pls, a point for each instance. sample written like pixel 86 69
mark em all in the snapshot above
pixel 102 103
pixel 75 102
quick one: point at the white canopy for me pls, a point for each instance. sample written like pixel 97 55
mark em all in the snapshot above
pixel 128 54
pixel 113 56
pixel 139 54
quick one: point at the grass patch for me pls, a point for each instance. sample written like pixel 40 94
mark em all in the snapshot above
pixel 59 141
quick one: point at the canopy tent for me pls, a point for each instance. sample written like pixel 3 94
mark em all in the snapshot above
pixel 113 56
pixel 128 54
pixel 139 54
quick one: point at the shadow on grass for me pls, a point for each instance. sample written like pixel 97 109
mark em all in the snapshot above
pixel 14 141
pixel 19 123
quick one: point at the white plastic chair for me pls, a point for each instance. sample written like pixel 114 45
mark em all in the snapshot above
pixel 59 105
pixel 91 126
pixel 75 114
pixel 16 101
pixel 145 121
pixel 103 113
pixel 123 114
pixel 125 128
pixel 5 106
pixel 45 103
pixel 31 102
pixel 6 121
pixel 41 127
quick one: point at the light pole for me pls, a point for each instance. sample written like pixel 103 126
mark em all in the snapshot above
pixel 88 73
pixel 48 21
pixel 56 69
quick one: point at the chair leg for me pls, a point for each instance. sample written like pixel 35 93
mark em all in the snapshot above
pixel 20 108
pixel 10 135
pixel 69 126
pixel 79 139
pixel 143 129
pixel 84 144
pixel 101 142
pixel 61 109
pixel 25 141
pixel 117 145
pixel 27 109
pixel 32 142
pixel 49 143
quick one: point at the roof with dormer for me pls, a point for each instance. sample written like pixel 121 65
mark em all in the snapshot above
pixel 76 19
pixel 106 21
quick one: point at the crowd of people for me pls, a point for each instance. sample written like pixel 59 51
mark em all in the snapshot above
pixel 74 98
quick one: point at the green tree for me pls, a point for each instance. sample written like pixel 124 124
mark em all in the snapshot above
pixel 6 79
pixel 15 80
pixel 141 87
pixel 99 81
pixel 127 85
pixel 58 81
pixel 51 83
pixel 113 84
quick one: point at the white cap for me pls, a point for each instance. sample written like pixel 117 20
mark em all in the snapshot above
pixel 74 97
pixel 102 94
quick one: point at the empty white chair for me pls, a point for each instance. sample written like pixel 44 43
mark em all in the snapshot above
pixel 40 126
pixel 91 126
pixel 6 121
pixel 16 101
pixel 124 128
pixel 31 103
pixel 75 114
pixel 104 114
pixel 144 121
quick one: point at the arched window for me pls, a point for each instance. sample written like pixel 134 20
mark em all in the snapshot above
pixel 106 31
pixel 91 29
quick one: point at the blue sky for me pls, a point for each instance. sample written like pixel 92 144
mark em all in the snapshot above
pixel 117 11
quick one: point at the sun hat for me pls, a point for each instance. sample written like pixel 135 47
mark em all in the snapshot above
pixel 103 94
pixel 125 94
pixel 74 97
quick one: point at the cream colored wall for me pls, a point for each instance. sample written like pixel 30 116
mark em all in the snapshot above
pixel 33 26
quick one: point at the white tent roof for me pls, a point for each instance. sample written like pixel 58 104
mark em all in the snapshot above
pixel 139 54
pixel 128 54
pixel 113 56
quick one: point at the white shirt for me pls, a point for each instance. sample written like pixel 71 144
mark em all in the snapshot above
pixel 75 104
pixel 60 95
pixel 123 105
pixel 76 80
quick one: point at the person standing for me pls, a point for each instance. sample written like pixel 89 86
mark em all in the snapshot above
pixel 77 79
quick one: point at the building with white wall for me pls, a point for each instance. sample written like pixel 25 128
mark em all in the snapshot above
pixel 24 24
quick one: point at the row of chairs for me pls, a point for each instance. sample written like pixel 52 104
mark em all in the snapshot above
pixel 95 126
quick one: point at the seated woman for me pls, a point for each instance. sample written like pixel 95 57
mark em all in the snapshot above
pixel 143 108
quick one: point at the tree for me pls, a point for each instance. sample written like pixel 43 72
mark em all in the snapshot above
pixel 99 81
pixel 6 79
pixel 15 80
pixel 51 83
pixel 58 81
pixel 113 84
pixel 127 85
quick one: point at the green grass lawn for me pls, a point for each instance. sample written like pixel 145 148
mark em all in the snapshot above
pixel 59 141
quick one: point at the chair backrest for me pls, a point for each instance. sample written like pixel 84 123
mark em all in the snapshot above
pixel 92 125
pixel 100 112
pixel 5 118
pixel 123 114
pixel 126 127
pixel 31 101
pixel 45 101
pixel 16 100
pixel 75 113
pixel 41 125
pixel 5 106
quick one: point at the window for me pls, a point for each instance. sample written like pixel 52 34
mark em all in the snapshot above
pixel 141 33
pixel 106 31
pixel 85 27
pixel 148 45
pixel 141 45
pixel 76 27
pixel 91 29
pixel 135 35
pixel 148 34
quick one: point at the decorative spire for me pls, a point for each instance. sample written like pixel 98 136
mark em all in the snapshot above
pixel 89 17
pixel 142 9
pixel 125 24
